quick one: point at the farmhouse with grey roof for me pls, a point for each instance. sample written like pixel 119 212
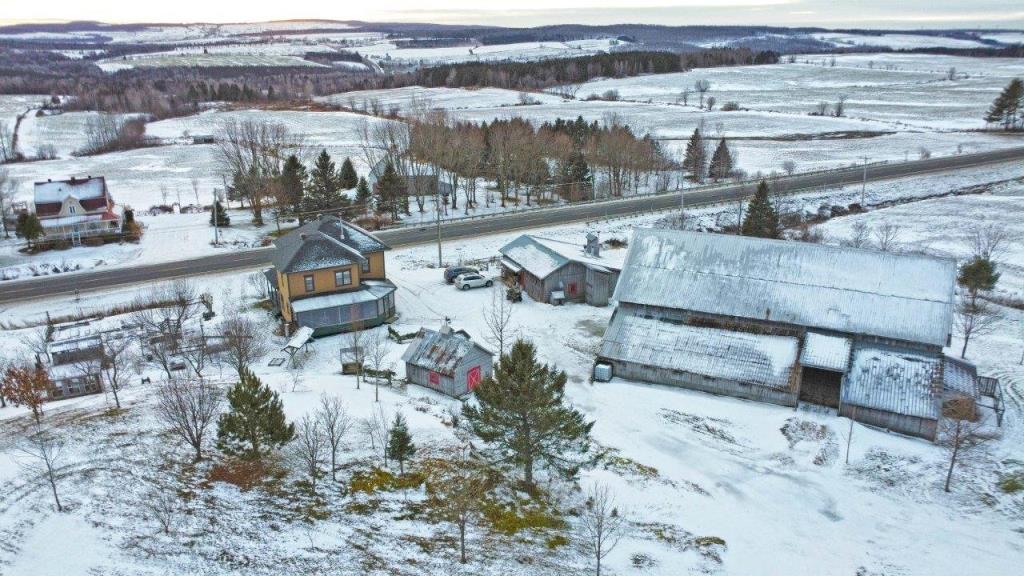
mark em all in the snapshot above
pixel 329 276
pixel 555 271
pixel 787 322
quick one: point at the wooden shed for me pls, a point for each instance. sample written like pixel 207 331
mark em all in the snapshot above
pixel 447 360
pixel 554 271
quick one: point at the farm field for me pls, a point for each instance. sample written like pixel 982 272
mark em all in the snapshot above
pixel 688 466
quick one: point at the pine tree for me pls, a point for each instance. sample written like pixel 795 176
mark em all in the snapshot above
pixel 762 220
pixel 29 228
pixel 721 162
pixel 293 182
pixel 978 275
pixel 219 214
pixel 576 177
pixel 522 418
pixel 400 446
pixel 1006 109
pixel 363 194
pixel 323 191
pixel 390 190
pixel 696 156
pixel 347 176
pixel 255 423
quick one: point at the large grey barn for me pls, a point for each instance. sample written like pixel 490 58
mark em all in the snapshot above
pixel 447 360
pixel 787 322
pixel 554 271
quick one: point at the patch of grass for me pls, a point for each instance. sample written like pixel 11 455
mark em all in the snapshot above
pixel 556 541
pixel 244 474
pixel 627 466
pixel 510 519
pixel 380 480
pixel 1012 483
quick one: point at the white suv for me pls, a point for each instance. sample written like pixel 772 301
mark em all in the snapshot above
pixel 467 281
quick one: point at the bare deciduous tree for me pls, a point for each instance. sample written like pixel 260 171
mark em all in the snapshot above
pixel 960 434
pixel 251 153
pixel 375 427
pixel 601 526
pixel 245 342
pixel 189 408
pixel 457 488
pixel 377 348
pixel 355 351
pixel 310 448
pixel 887 237
pixel 44 455
pixel 334 420
pixel 161 503
pixel 789 167
pixel 859 235
pixel 114 366
pixel 8 190
pixel 974 319
pixel 989 241
pixel 498 319
pixel 702 86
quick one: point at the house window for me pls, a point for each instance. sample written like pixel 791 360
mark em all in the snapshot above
pixel 71 209
pixel 365 266
pixel 343 277
pixel 308 280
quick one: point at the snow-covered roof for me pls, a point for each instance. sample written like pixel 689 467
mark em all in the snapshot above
pixel 440 350
pixel 854 291
pixel 326 242
pixel 896 381
pixel 370 291
pixel 960 377
pixel 542 256
pixel 299 339
pixel 756 359
pixel 825 352
pixel 81 188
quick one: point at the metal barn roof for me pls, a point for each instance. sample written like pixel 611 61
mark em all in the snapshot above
pixel 825 352
pixel 894 381
pixel 854 291
pixel 737 356
pixel 441 351
pixel 542 256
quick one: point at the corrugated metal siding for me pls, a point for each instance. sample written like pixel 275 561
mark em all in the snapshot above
pixel 902 297
pixel 904 424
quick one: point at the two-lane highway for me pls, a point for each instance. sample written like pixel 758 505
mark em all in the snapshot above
pixel 542 217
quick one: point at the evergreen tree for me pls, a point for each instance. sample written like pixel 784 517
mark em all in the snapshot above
pixel 323 192
pixel 1006 109
pixel 293 182
pixel 576 177
pixel 218 215
pixel 721 162
pixel 695 160
pixel 363 194
pixel 762 220
pixel 522 418
pixel 390 190
pixel 978 275
pixel 347 176
pixel 255 423
pixel 400 446
pixel 130 229
pixel 29 228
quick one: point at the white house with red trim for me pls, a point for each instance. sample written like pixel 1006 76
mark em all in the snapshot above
pixel 76 208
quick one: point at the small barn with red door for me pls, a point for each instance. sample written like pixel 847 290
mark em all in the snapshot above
pixel 447 360
pixel 554 271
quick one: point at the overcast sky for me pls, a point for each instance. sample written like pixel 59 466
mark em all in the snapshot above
pixel 826 13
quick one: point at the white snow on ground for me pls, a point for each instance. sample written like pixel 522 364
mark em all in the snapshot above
pixel 1005 37
pixel 518 51
pixel 721 468
pixel 224 59
pixel 412 99
pixel 896 41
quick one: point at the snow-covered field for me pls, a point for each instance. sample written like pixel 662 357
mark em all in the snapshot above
pixel 687 465
pixel 473 53
pixel 895 41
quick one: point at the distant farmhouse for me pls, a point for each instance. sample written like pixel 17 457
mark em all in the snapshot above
pixel 553 271
pixel 76 208
pixel 415 184
pixel 447 360
pixel 329 275
pixel 787 322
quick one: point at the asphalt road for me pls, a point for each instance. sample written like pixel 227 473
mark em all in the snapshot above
pixel 88 281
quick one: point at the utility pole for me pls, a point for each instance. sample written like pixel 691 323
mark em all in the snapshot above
pixel 682 206
pixel 437 201
pixel 216 230
pixel 864 182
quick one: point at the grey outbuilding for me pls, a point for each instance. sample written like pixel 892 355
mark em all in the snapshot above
pixel 447 360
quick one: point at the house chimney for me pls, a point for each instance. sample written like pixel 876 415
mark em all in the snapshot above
pixel 593 245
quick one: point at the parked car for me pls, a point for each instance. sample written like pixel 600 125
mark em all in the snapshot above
pixel 453 272
pixel 472 280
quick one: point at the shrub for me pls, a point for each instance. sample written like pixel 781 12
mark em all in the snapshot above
pixel 730 106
